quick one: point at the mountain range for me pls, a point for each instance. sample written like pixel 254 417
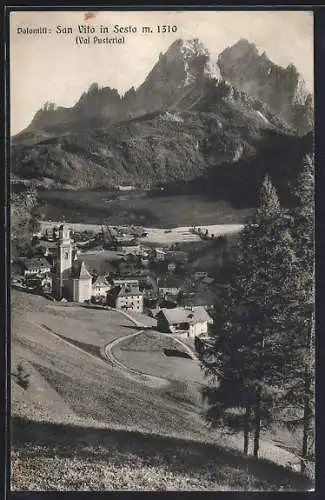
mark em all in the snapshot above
pixel 191 117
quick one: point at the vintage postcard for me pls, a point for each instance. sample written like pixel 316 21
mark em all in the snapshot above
pixel 162 250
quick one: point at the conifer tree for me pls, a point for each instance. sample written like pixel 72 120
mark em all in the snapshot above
pixel 301 386
pixel 250 350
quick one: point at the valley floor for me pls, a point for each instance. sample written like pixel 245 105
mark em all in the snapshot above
pixel 84 425
pixel 157 235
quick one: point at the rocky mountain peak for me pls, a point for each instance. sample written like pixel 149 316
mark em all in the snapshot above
pixel 242 48
pixel 184 64
pixel 195 57
pixel 182 75
pixel 282 89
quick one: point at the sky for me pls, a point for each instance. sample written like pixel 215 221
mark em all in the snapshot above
pixel 53 67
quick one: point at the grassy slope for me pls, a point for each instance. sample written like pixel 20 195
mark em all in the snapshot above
pixel 83 425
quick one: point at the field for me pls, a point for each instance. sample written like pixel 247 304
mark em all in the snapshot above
pixel 155 235
pixel 84 425
pixel 151 352
pixel 141 208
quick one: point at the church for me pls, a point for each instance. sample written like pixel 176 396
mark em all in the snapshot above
pixel 71 279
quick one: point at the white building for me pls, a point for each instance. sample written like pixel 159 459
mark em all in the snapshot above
pixel 186 322
pixel 100 287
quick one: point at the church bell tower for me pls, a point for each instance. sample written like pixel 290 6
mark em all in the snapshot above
pixel 64 261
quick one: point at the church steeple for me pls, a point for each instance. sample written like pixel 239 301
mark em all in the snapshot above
pixel 64 260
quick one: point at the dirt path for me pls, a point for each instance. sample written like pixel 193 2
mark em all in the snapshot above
pixel 143 377
pixel 152 380
pixel 268 449
pixel 187 349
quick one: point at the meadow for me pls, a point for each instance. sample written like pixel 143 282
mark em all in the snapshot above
pixel 137 207
pixel 83 425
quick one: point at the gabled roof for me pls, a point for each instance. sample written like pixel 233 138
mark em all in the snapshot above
pixel 35 262
pixel 129 291
pixel 79 270
pixel 183 315
pixel 101 281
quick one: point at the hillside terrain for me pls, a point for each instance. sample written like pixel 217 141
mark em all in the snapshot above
pixel 84 425
pixel 191 119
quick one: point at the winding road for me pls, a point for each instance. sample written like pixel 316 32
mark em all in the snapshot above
pixel 268 449
pixel 143 377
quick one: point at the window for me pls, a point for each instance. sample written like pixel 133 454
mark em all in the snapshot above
pixel 66 254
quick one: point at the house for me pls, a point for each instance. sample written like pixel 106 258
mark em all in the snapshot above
pixel 127 244
pixel 100 287
pixel 126 296
pixel 40 282
pixel 187 322
pixel 170 285
pixel 130 249
pixel 126 283
pixel 171 266
pixel 159 254
pixel 35 266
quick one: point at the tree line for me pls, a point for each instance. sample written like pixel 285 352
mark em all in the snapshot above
pixel 262 350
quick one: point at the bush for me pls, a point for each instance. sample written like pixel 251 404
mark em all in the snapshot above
pixel 22 377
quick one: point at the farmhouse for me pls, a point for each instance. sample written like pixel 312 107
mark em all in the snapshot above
pixel 127 245
pixel 189 322
pixel 126 296
pixel 35 266
pixel 169 285
pixel 100 287
pixel 158 254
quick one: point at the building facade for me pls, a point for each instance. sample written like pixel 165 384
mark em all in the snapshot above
pixel 100 287
pixel 188 323
pixel 126 296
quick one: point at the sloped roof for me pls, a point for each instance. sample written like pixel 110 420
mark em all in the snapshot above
pixel 79 270
pixel 35 262
pixel 119 291
pixel 129 291
pixel 183 315
pixel 101 281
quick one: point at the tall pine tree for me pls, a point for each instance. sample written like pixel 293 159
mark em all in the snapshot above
pixel 301 387
pixel 250 350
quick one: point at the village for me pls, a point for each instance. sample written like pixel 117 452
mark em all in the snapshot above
pixel 118 268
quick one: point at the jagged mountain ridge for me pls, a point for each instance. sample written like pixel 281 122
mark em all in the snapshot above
pixel 185 64
pixel 184 122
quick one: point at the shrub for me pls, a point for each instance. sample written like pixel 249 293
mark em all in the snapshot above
pixel 22 377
